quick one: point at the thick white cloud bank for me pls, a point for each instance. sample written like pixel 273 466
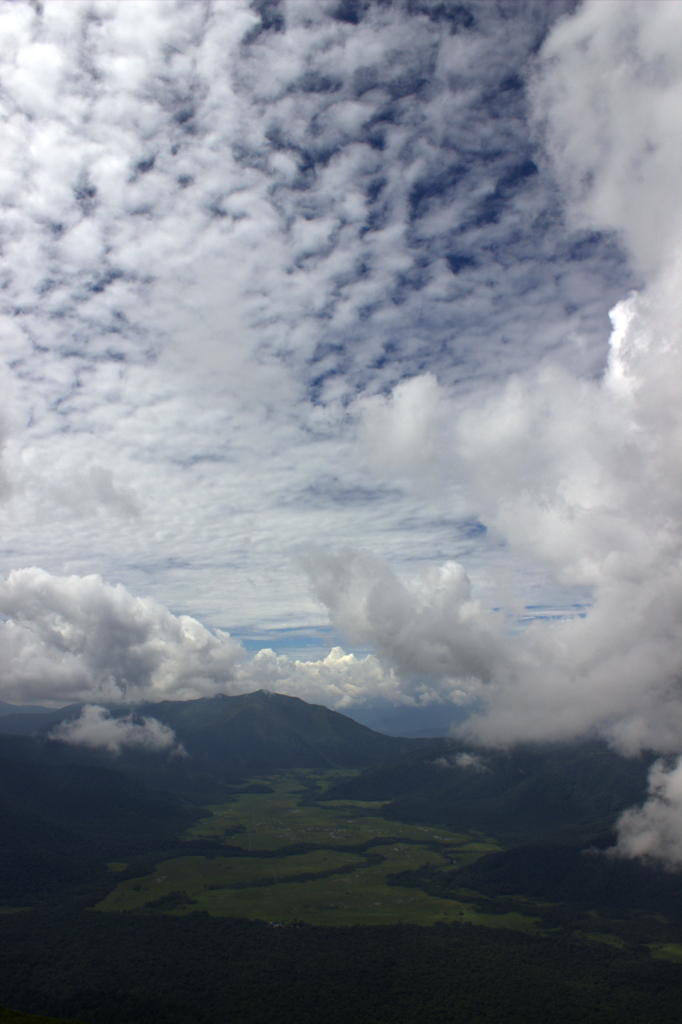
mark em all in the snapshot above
pixel 584 479
pixel 340 680
pixel 77 638
pixel 654 832
pixel 609 103
pixel 68 639
pixel 581 477
pixel 98 729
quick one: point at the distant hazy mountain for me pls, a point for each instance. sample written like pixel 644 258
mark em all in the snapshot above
pixel 561 793
pixel 64 809
pixel 23 709
pixel 225 738
pixel 66 795
pixel 425 721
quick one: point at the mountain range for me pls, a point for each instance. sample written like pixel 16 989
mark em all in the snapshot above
pixel 81 798
pixel 66 808
pixel 220 740
pixel 534 823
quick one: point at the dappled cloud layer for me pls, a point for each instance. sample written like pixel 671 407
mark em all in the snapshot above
pixel 222 222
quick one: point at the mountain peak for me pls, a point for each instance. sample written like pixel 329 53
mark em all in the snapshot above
pixel 263 730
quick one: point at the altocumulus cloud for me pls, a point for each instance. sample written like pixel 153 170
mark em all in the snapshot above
pixel 223 221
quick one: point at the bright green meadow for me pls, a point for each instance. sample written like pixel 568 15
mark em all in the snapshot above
pixel 288 858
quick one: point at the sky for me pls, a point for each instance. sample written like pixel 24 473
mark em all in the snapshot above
pixel 341 357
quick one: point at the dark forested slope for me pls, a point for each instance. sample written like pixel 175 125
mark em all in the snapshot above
pixel 63 815
pixel 568 793
pixel 262 731
pixel 248 733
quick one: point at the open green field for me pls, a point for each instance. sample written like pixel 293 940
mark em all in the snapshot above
pixel 290 859
pixel 279 854
pixel 667 951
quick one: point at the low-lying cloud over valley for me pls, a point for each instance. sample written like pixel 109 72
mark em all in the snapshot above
pixel 98 729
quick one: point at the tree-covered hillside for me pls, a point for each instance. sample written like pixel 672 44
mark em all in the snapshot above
pixel 567 793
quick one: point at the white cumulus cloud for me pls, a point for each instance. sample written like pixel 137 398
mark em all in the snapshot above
pixel 608 99
pixel 653 832
pixel 78 638
pixel 474 762
pixel 98 729
pixel 582 479
pixel 339 680
pixel 67 639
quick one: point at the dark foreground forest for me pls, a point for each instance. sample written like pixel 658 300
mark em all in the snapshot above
pixel 125 969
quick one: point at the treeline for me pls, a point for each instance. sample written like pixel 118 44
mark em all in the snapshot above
pixel 150 969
